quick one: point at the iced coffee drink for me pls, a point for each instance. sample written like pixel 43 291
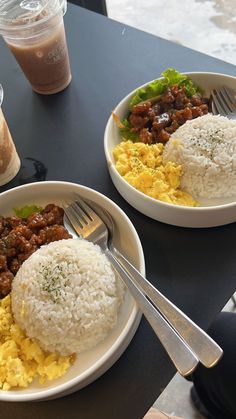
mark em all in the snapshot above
pixel 34 32
pixel 9 159
pixel 46 63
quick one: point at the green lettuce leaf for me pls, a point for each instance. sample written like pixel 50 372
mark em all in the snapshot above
pixel 26 211
pixel 126 134
pixel 170 77
pixel 157 87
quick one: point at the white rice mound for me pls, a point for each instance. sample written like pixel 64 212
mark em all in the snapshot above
pixel 67 296
pixel 206 149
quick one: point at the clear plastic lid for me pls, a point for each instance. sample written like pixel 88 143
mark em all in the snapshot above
pixel 28 13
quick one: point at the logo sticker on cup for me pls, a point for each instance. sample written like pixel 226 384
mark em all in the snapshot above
pixel 56 54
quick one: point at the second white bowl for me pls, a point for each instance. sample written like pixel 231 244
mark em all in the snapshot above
pixel 210 213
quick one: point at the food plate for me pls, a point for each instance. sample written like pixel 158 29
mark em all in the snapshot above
pixel 91 364
pixel 211 212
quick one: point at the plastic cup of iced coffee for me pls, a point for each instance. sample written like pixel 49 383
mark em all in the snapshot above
pixel 34 31
pixel 9 159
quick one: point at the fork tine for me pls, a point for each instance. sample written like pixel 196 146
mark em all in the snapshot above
pixel 226 100
pixel 85 221
pixel 218 103
pixel 223 101
pixel 232 94
pixel 87 209
pixel 82 218
pixel 73 219
pixel 229 98
pixel 80 214
pixel 214 108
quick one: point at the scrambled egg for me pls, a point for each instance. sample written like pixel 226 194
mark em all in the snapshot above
pixel 142 166
pixel 21 358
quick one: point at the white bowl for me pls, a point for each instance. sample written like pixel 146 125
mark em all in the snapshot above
pixel 91 364
pixel 210 213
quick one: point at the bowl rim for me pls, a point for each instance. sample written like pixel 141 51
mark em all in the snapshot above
pixel 133 320
pixel 142 195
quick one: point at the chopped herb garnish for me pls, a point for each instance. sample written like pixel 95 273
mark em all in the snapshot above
pixel 54 280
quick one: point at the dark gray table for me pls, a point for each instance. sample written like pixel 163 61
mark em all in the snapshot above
pixel 61 138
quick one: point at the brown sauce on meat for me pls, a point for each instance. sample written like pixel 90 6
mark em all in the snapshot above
pixel 155 123
pixel 20 237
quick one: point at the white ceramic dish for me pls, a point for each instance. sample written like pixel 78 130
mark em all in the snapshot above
pixel 210 213
pixel 91 364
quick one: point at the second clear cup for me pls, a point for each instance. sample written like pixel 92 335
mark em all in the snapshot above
pixel 34 32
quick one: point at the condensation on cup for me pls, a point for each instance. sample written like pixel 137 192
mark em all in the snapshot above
pixel 34 32
pixel 9 159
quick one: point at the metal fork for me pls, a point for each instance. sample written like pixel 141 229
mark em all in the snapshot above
pixel 183 340
pixel 223 102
